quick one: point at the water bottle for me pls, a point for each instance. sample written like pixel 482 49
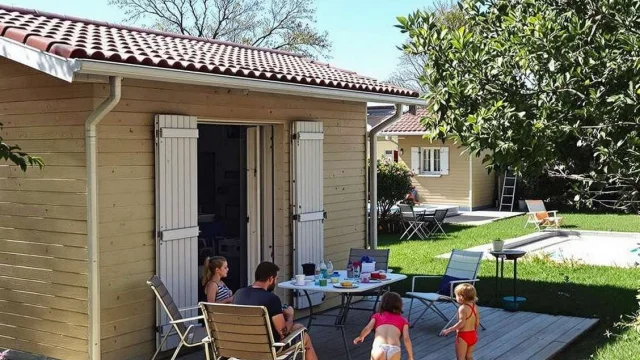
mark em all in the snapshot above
pixel 356 272
pixel 323 270
pixel 330 268
pixel 350 270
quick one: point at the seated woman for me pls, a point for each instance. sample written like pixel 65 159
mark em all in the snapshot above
pixel 216 269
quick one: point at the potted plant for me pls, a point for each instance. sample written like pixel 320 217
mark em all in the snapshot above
pixel 498 244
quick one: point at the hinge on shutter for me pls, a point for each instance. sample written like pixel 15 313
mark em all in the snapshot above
pixel 294 136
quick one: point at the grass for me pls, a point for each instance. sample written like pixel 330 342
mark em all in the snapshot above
pixel 554 288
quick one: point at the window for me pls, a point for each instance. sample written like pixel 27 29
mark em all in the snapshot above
pixel 388 154
pixel 430 160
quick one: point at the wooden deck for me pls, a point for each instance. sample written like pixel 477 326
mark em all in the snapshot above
pixel 509 335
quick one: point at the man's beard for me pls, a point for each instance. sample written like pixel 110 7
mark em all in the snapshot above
pixel 271 287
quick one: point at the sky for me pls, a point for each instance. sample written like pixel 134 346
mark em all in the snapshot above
pixel 362 31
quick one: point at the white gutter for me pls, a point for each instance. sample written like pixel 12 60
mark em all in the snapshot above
pixel 133 71
pixel 402 133
pixel 373 172
pixel 92 212
pixel 42 61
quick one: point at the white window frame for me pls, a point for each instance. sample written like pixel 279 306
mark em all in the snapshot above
pixel 426 170
pixel 388 154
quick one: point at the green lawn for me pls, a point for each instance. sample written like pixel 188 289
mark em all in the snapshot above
pixel 567 288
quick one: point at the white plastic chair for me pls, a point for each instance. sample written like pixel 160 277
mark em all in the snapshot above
pixel 551 219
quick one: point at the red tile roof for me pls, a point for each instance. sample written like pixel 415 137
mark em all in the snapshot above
pixel 408 123
pixel 75 38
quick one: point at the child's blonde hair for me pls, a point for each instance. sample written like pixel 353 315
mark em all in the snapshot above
pixel 467 292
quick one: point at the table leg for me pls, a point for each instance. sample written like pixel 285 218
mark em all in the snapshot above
pixel 515 277
pixel 501 273
pixel 342 320
pixel 497 296
pixel 310 309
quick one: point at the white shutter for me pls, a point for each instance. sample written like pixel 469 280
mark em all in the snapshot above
pixel 415 160
pixel 444 160
pixel 307 199
pixel 177 213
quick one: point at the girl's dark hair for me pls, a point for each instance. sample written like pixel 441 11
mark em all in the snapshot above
pixel 391 302
pixel 211 264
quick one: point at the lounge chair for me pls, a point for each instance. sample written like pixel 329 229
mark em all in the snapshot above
pixel 382 263
pixel 463 267
pixel 411 222
pixel 190 336
pixel 244 332
pixel 539 216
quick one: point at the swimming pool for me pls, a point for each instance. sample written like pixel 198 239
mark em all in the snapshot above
pixel 589 247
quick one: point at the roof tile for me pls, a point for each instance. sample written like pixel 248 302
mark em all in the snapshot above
pixel 408 123
pixel 71 37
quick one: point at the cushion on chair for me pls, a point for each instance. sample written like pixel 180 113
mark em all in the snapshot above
pixel 445 285
pixel 542 215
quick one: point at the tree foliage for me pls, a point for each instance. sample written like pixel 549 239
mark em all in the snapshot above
pixel 276 24
pixel 14 154
pixel 394 183
pixel 548 86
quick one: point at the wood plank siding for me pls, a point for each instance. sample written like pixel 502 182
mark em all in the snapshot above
pixel 43 242
pixel 126 195
pixel 450 189
pixel 484 185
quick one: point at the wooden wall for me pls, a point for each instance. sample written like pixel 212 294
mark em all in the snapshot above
pixel 450 189
pixel 127 190
pixel 43 243
pixel 484 184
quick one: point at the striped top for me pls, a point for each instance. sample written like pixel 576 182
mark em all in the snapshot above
pixel 223 292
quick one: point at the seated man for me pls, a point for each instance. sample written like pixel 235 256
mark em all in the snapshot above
pixel 261 294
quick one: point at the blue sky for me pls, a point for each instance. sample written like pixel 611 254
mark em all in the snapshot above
pixel 362 32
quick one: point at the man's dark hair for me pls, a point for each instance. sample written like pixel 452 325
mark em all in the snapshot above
pixel 265 270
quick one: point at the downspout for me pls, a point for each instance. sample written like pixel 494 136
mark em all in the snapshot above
pixel 373 179
pixel 90 125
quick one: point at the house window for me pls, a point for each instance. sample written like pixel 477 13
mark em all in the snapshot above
pixel 388 155
pixel 430 161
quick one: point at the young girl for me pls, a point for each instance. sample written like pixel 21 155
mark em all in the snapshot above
pixel 216 269
pixel 468 320
pixel 389 325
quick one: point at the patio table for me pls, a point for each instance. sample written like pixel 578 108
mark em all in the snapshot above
pixel 347 297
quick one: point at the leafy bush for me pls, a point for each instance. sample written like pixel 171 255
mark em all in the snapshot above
pixel 394 183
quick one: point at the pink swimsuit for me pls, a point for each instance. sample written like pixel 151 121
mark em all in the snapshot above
pixel 387 318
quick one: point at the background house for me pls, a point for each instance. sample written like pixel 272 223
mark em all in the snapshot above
pixel 445 173
pixel 193 135
pixel 387 145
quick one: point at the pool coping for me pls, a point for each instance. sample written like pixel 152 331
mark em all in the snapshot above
pixel 541 235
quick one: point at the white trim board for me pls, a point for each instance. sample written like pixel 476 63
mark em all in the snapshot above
pixel 53 65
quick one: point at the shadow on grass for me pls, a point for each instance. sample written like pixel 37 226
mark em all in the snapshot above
pixel 606 302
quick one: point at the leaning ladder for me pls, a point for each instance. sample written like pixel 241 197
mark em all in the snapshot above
pixel 508 191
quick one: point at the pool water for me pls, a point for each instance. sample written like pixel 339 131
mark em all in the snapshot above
pixel 590 249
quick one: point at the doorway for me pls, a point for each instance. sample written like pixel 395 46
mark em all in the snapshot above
pixel 235 194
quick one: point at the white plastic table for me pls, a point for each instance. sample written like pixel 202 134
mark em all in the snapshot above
pixel 347 297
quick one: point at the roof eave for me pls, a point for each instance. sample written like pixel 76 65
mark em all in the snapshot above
pixel 53 65
pixel 402 133
pixel 94 67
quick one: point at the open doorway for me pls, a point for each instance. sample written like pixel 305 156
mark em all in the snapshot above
pixel 235 198
pixel 222 191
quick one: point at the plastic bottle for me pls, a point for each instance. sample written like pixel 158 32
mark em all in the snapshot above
pixel 330 268
pixel 350 270
pixel 323 270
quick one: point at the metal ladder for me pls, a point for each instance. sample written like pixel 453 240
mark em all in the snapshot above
pixel 508 191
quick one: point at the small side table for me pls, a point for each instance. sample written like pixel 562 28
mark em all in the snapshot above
pixel 501 256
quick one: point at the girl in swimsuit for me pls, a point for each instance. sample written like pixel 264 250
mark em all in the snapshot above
pixel 468 320
pixel 389 326
pixel 216 269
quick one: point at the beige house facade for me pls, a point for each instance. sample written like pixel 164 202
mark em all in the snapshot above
pixel 445 174
pixel 138 152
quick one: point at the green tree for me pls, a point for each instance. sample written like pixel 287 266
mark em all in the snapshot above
pixel 14 154
pixel 548 86
pixel 276 24
pixel 394 183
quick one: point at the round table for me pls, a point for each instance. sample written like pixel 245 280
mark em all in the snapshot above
pixel 501 256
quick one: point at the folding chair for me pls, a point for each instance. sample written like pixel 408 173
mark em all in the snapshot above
pixel 540 216
pixel 463 267
pixel 191 336
pixel 435 221
pixel 244 332
pixel 412 224
pixel 382 263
